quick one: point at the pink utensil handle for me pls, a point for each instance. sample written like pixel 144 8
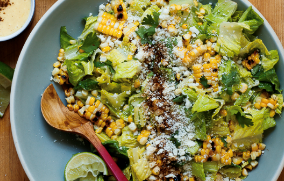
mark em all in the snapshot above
pixel 92 137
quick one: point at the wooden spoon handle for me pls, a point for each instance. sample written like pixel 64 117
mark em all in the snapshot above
pixel 88 132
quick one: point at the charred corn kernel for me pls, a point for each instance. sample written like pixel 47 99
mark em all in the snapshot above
pixel 207 56
pixel 99 130
pixel 246 155
pixel 230 152
pixel 70 107
pixel 191 179
pixel 178 76
pixel 76 108
pixel 254 147
pixel 172 29
pixel 97 103
pixel 257 106
pixel 156 170
pixel 130 119
pixel 265 101
pixel 223 112
pixel 80 104
pixel 88 115
pixel 251 61
pixel 244 172
pixel 106 49
pixel 91 108
pixel 254 163
pixel 137 84
pixel 200 23
pixel 92 101
pixel 70 99
pixel 81 51
pixel 272 113
pixel 261 146
pixel 109 132
pixel 263 104
pixel 120 123
pixel 237 160
pixel 235 96
pixel 159 163
pixel 184 26
pixel 129 57
pixel 56 64
pixel 218 149
pixel 271 106
pixel 229 139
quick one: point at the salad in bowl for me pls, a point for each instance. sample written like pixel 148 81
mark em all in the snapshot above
pixel 176 90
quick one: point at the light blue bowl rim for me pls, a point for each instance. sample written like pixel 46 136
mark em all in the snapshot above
pixel 20 62
pixel 32 11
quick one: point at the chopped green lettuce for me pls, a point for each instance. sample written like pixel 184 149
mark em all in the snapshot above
pixel 222 11
pixel 65 38
pixel 194 149
pixel 210 167
pixel 268 123
pixel 89 27
pixel 75 71
pixel 268 61
pixel 220 128
pixel 244 137
pixel 198 170
pixel 251 18
pixel 250 47
pixel 88 85
pixel 229 41
pixel 181 2
pixel 191 94
pixel 231 171
pixel 103 137
pixel 117 101
pixel 127 139
pixel 126 71
pixel 142 169
pixel 244 98
pixel 116 57
pixel 278 110
pixel 137 7
pixel 88 67
pixel 204 103
pixel 72 53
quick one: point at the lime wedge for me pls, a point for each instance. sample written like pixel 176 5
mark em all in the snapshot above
pixel 4 99
pixel 84 166
pixel 6 75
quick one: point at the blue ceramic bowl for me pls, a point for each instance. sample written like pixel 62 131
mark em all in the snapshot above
pixel 44 151
pixel 24 26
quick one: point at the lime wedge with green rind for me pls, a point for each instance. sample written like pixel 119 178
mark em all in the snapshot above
pixel 4 99
pixel 85 166
pixel 6 75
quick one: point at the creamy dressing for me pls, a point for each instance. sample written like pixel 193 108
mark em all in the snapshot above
pixel 14 16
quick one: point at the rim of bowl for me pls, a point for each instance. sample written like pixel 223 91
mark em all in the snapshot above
pixel 32 11
pixel 20 61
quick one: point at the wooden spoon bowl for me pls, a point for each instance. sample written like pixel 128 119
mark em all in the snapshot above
pixel 58 116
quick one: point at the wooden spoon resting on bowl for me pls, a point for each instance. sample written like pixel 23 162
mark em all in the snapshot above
pixel 58 116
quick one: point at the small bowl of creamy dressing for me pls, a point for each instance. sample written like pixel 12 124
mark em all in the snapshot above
pixel 15 16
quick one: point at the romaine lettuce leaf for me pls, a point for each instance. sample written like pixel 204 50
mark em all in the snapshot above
pixel 229 40
pixel 75 71
pixel 231 171
pixel 268 61
pixel 117 101
pixel 65 38
pixel 89 27
pixel 220 128
pixel 236 16
pixel 269 77
pixel 116 57
pixel 191 94
pixel 268 123
pixel 88 84
pixel 280 102
pixel 251 18
pixel 222 11
pixel 210 167
pixel 88 67
pixel 250 47
pixel 204 103
pixel 198 170
pixel 181 2
pixel 127 139
pixel 244 137
pixel 126 71
pixel 72 53
pixel 244 98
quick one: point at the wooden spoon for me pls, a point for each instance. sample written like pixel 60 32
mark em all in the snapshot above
pixel 58 116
